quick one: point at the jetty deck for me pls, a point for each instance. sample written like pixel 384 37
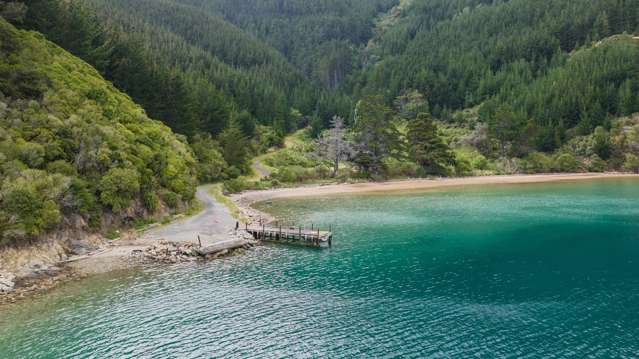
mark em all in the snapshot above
pixel 297 235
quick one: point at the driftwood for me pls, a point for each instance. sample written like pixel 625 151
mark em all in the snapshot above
pixel 226 245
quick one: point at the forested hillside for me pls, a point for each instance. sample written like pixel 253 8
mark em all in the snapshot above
pixel 516 86
pixel 461 52
pixel 322 37
pixel 76 153
pixel 415 87
pixel 189 69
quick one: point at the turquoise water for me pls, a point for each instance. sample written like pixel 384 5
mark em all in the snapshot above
pixel 546 270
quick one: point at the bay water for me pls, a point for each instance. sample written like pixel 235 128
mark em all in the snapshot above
pixel 521 271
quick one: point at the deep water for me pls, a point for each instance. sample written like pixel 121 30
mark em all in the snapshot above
pixel 546 270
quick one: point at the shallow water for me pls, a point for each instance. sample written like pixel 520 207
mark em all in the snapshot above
pixel 546 270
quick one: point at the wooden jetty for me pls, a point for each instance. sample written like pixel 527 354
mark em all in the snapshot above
pixel 295 235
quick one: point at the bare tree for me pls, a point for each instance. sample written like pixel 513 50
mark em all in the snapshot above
pixel 333 145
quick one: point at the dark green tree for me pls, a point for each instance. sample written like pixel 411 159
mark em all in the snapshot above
pixel 376 136
pixel 505 127
pixel 235 146
pixel 602 143
pixel 426 147
pixel 211 163
pixel 13 11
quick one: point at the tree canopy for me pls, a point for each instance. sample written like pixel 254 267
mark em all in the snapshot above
pixel 73 146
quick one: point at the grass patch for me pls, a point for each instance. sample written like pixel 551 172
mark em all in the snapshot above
pixel 194 208
pixel 141 224
pixel 217 193
pixel 112 234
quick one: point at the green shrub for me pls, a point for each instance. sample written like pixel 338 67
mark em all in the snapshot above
pixel 211 166
pixel 566 163
pixel 30 153
pixel 596 164
pixel 23 83
pixel 141 223
pixel 151 201
pixel 632 163
pixel 62 167
pixel 266 138
pixel 171 198
pixel 537 162
pixel 602 144
pixel 30 202
pixel 463 166
pixel 85 202
pixel 469 161
pixel 289 157
pixel 112 234
pixel 295 174
pixel 34 214
pixel 118 188
pixel 323 171
pixel 396 168
pixel 12 168
pixel 236 185
pixel 233 172
pixel 266 183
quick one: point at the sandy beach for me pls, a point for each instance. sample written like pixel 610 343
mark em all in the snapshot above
pixel 245 199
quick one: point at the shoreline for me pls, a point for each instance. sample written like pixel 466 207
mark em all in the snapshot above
pixel 39 267
pixel 121 254
pixel 246 200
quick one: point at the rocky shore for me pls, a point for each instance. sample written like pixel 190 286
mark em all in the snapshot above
pixel 174 252
pixel 38 267
pixel 44 277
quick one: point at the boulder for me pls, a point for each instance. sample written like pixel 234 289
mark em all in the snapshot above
pixel 81 247
pixel 7 282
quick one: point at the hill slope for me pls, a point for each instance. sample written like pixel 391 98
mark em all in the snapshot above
pixel 321 37
pixel 453 50
pixel 509 79
pixel 190 69
pixel 75 151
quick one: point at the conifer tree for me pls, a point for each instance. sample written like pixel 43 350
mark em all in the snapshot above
pixel 376 136
pixel 426 147
pixel 234 145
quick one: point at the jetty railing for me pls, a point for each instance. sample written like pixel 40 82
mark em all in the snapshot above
pixel 287 234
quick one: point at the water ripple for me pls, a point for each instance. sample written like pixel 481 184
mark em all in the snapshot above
pixel 526 272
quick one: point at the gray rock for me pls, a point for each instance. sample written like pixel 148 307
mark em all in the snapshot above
pixel 80 247
pixel 36 265
pixel 7 282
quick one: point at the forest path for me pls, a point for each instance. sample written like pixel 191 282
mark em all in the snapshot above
pixel 212 224
pixel 259 169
